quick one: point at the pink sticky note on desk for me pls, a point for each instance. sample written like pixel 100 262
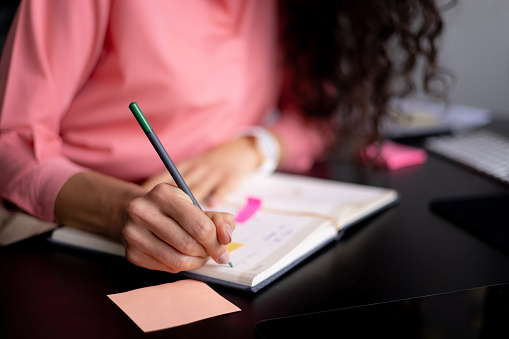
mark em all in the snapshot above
pixel 168 305
pixel 394 155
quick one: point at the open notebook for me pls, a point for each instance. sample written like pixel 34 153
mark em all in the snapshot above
pixel 281 220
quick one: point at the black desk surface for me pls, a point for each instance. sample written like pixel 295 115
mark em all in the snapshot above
pixel 407 251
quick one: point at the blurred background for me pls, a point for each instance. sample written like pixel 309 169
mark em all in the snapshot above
pixel 475 47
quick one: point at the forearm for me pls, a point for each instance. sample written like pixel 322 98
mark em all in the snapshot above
pixel 95 202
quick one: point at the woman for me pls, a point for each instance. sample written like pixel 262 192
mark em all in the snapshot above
pixel 224 94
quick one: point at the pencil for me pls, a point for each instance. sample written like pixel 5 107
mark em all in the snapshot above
pixel 161 151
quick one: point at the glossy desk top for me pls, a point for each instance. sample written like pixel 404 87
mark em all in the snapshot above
pixel 404 252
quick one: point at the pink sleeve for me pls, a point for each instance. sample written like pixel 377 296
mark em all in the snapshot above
pixel 51 49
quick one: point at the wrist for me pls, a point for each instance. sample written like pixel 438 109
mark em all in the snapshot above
pixel 95 202
pixel 266 146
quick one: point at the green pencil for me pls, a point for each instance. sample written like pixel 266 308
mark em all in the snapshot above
pixel 175 174
pixel 154 140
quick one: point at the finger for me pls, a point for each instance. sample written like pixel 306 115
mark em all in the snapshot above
pixel 225 224
pixel 191 219
pixel 142 259
pixel 221 191
pixel 201 181
pixel 145 250
pixel 189 170
pixel 205 187
pixel 144 212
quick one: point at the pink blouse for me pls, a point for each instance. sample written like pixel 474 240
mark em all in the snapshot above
pixel 200 70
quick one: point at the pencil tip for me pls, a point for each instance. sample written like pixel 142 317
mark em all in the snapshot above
pixel 230 263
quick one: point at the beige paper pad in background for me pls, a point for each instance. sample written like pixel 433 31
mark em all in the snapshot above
pixel 19 226
pixel 173 304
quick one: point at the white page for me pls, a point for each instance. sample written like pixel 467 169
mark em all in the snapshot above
pixel 293 207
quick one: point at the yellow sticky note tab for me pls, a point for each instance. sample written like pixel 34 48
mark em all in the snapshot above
pixel 233 246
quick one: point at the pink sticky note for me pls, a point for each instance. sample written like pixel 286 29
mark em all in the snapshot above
pixel 172 304
pixel 394 155
pixel 252 205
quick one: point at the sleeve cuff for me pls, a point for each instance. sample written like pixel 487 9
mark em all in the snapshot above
pixel 39 187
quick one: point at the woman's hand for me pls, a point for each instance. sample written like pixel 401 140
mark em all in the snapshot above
pixel 165 231
pixel 214 174
pixel 161 228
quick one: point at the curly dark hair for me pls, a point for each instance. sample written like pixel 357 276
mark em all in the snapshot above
pixel 346 59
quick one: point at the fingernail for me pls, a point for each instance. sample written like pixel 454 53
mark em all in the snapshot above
pixel 228 230
pixel 212 201
pixel 224 258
